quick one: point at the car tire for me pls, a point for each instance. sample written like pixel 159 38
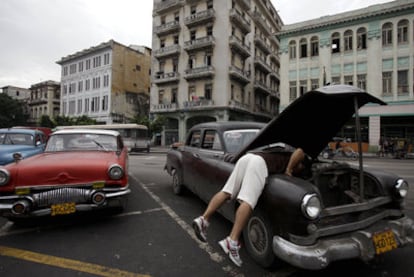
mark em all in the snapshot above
pixel 177 185
pixel 258 236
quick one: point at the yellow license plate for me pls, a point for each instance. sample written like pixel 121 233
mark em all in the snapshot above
pixel 64 208
pixel 384 242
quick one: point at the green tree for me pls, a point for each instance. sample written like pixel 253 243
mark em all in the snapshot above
pixel 45 121
pixel 154 126
pixel 11 112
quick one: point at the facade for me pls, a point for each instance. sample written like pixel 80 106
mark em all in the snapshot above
pixel 44 100
pixel 213 60
pixel 109 83
pixel 17 93
pixel 371 48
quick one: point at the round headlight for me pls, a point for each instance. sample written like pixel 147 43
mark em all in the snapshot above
pixel 311 206
pixel 4 176
pixel 115 172
pixel 401 187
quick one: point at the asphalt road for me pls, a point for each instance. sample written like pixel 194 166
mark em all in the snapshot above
pixel 153 237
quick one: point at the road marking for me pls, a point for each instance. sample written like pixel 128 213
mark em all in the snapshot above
pixel 78 266
pixel 214 256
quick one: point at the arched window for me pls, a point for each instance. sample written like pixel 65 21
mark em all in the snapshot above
pixel 402 33
pixel 292 50
pixel 348 40
pixel 362 38
pixel 303 48
pixel 387 34
pixel 336 42
pixel 314 46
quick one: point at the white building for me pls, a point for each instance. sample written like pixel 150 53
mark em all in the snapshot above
pixel 213 60
pixel 372 48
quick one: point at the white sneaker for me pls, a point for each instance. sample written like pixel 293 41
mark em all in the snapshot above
pixel 231 250
pixel 200 228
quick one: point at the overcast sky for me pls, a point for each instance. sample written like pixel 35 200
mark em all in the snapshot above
pixel 34 34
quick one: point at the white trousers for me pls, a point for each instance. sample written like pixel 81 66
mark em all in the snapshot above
pixel 247 180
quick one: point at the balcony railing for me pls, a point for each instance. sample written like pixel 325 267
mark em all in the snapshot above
pixel 167 5
pixel 171 50
pixel 240 21
pixel 261 62
pixel 200 18
pixel 169 77
pixel 198 103
pixel 169 107
pixel 200 43
pixel 199 72
pixel 239 74
pixel 170 27
pixel 239 46
pixel 260 41
pixel 237 105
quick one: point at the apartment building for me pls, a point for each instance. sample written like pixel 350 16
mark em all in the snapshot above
pixel 17 93
pixel 371 48
pixel 44 100
pixel 213 60
pixel 109 82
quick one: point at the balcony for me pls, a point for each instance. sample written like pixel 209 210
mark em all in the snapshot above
pixel 170 107
pixel 168 5
pixel 200 43
pixel 199 72
pixel 167 28
pixel 237 105
pixel 172 50
pixel 239 20
pixel 200 103
pixel 260 41
pixel 245 4
pixel 261 22
pixel 38 101
pixel 163 78
pixel 239 75
pixel 200 18
pixel 239 46
pixel 261 63
pixel 262 87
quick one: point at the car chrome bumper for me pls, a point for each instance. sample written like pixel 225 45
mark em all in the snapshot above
pixel 45 199
pixel 358 244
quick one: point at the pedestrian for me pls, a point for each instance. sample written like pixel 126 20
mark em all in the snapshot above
pixel 246 183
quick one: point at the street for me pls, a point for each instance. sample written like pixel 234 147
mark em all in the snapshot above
pixel 153 237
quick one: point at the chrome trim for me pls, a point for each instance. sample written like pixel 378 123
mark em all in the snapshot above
pixel 358 207
pixel 352 245
pixel 339 229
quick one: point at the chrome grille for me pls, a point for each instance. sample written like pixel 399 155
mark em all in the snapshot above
pixel 61 195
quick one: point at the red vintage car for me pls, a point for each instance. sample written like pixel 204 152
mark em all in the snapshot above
pixel 80 170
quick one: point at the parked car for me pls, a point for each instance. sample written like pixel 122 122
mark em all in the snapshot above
pixel 80 170
pixel 338 211
pixel 24 141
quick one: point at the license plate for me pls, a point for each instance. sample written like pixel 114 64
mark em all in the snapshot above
pixel 384 242
pixel 64 208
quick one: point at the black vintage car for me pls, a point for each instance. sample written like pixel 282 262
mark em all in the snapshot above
pixel 338 211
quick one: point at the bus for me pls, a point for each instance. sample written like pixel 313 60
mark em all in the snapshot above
pixel 135 136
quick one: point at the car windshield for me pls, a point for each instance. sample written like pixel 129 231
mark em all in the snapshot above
pixel 16 139
pixel 236 139
pixel 81 142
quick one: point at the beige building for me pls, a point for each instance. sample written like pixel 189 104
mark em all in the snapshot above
pixel 109 82
pixel 44 100
pixel 213 60
pixel 17 93
pixel 371 48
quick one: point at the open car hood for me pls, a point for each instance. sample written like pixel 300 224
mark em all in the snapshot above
pixel 313 119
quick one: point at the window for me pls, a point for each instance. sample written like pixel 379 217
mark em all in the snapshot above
pixel 191 62
pixel 65 71
pixel 387 34
pixel 106 58
pixel 193 9
pixel 314 46
pixel 362 81
pixel 79 106
pixel 162 43
pixel 88 64
pixel 95 104
pixel 303 87
pixel 292 50
pixel 209 4
pixel 106 81
pixel 208 91
pixel 176 40
pixel 336 80
pixel 303 48
pixel 80 66
pixel 105 102
pixel 314 84
pixel 348 40
pixel 195 139
pixel 211 139
pixel 72 69
pixel 209 30
pixel 192 35
pixel 87 85
pixel 361 39
pixel 402 33
pixel 335 42
pixel 402 82
pixel 174 92
pixel 96 61
pixel 207 59
pixel 292 91
pixel 348 80
pixel 161 96
pixel 387 83
pixel 86 105
pixel 80 86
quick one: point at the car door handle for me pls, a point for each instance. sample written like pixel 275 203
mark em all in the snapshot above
pixel 195 155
